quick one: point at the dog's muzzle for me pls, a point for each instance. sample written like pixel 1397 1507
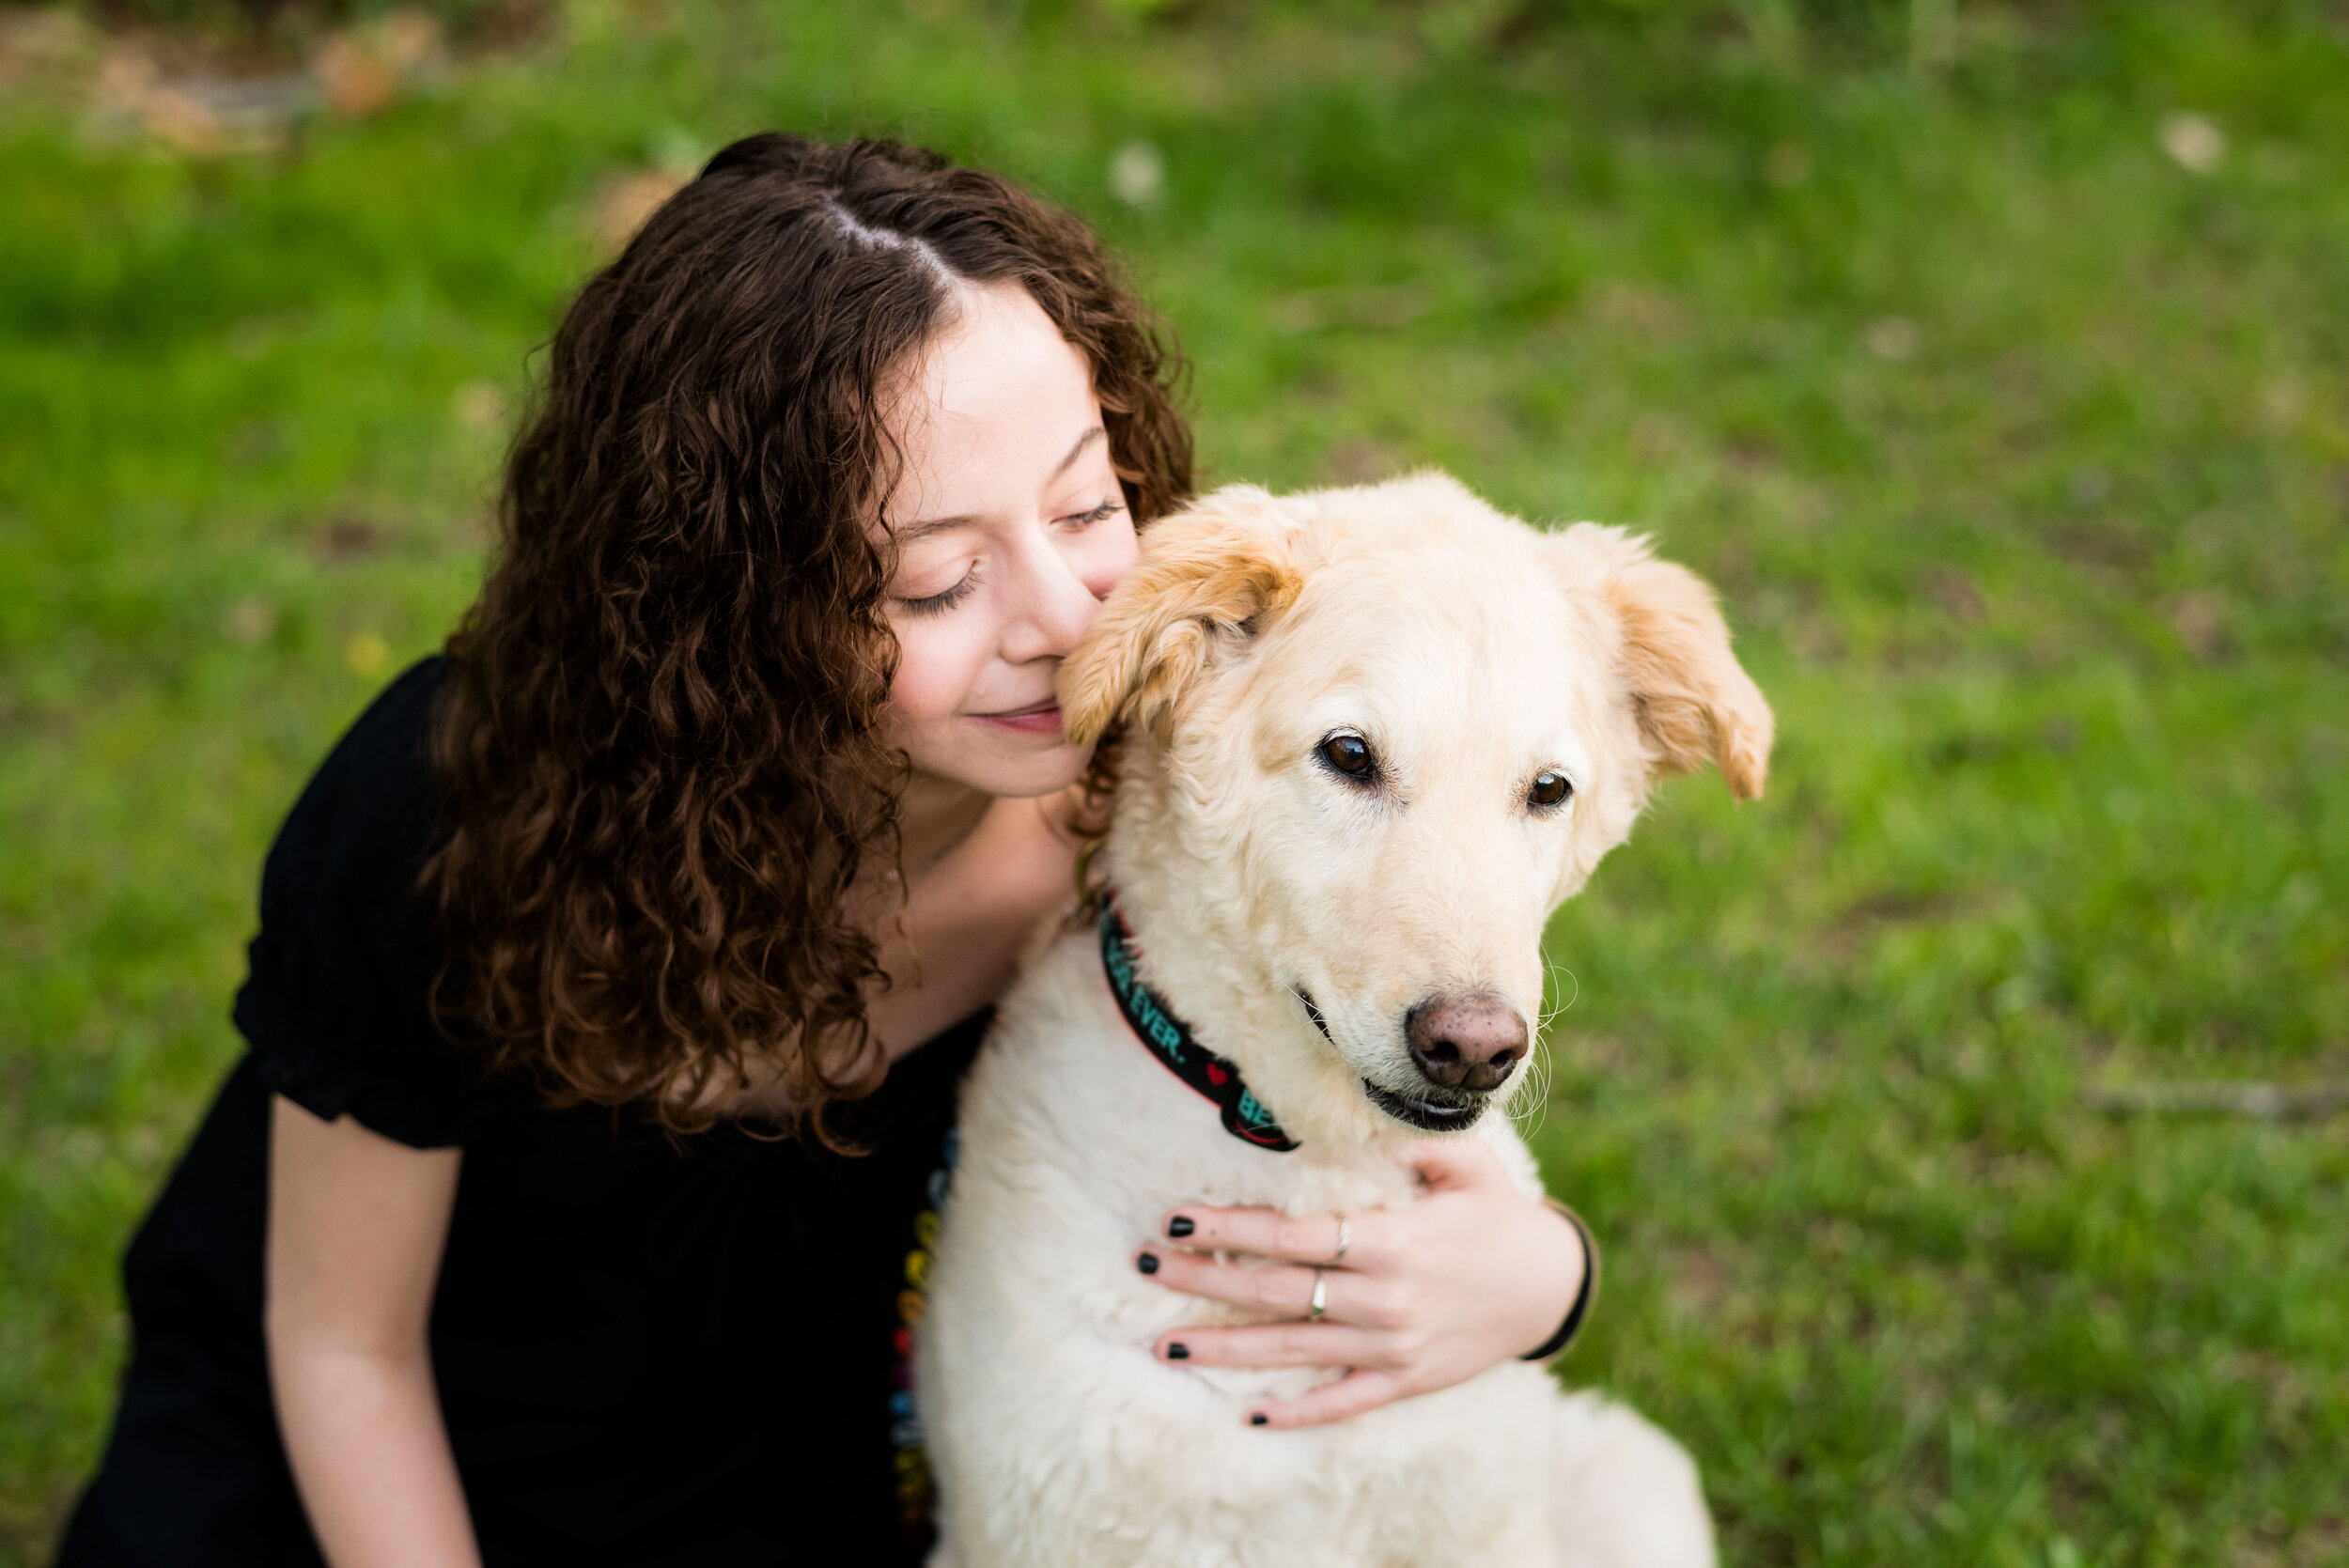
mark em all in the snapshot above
pixel 1436 1110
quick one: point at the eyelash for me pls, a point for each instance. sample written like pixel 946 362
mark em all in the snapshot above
pixel 938 604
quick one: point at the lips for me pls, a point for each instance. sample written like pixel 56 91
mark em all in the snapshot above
pixel 1042 719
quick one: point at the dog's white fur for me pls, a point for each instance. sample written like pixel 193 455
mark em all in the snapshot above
pixel 1472 653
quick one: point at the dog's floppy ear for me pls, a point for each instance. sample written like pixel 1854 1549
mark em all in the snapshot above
pixel 1693 700
pixel 1207 573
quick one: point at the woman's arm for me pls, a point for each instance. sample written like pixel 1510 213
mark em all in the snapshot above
pixel 356 1223
pixel 1473 1274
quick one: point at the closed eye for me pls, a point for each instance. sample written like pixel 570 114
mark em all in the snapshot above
pixel 938 604
pixel 1102 513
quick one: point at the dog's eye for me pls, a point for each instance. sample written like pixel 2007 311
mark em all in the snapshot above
pixel 1549 788
pixel 1349 754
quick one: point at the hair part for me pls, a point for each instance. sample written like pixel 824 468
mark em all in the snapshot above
pixel 660 750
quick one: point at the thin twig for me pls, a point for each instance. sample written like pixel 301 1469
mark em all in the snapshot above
pixel 2237 1099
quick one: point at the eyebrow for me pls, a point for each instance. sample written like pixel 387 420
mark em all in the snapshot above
pixel 927 526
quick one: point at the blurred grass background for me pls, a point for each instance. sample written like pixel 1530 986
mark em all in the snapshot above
pixel 1993 360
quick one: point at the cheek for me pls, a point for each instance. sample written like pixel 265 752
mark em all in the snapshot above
pixel 938 664
pixel 1303 868
pixel 1105 555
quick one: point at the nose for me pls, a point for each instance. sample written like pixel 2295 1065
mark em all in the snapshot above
pixel 1465 1042
pixel 1053 607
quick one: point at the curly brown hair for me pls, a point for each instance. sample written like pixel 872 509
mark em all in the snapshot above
pixel 659 752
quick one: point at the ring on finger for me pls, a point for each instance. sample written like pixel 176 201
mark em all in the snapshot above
pixel 1346 1239
pixel 1321 1299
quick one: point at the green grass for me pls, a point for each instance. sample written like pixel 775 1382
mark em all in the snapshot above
pixel 2020 452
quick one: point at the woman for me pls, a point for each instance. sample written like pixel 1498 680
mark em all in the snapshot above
pixel 616 970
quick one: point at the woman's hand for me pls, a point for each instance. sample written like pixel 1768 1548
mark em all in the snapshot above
pixel 1473 1274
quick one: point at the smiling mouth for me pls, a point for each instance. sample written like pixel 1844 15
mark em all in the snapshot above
pixel 1042 719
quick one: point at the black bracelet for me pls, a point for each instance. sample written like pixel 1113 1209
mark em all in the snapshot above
pixel 1575 1314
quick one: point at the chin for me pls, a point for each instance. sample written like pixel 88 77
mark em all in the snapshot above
pixel 973 755
pixel 1020 778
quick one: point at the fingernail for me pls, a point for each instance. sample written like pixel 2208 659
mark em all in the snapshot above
pixel 1178 1352
pixel 1147 1263
pixel 1180 1226
pixel 1257 1418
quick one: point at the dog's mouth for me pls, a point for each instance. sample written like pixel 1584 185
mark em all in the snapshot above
pixel 1313 1011
pixel 1444 1115
pixel 1428 1115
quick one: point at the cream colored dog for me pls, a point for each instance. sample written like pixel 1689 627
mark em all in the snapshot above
pixel 1376 737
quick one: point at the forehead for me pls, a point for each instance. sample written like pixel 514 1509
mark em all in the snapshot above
pixel 1464 639
pixel 996 393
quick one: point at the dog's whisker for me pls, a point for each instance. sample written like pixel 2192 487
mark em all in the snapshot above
pixel 1572 996
pixel 1529 1118
pixel 1553 970
pixel 1541 1072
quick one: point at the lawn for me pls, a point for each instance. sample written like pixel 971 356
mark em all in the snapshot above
pixel 1994 361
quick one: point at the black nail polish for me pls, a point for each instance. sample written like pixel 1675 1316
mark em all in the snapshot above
pixel 1147 1263
pixel 1178 1352
pixel 1257 1418
pixel 1180 1226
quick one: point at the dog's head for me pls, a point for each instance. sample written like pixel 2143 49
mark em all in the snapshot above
pixel 1385 732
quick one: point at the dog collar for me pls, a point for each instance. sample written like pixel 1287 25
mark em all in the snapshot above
pixel 1245 1117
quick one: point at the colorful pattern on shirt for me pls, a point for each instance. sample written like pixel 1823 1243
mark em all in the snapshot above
pixel 1245 1117
pixel 916 1487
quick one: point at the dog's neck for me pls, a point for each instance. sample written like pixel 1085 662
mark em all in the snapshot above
pixel 1171 1040
pixel 1172 868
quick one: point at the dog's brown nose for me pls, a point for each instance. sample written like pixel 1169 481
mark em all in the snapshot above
pixel 1465 1042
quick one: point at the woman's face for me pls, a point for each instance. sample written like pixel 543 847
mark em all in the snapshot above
pixel 1010 529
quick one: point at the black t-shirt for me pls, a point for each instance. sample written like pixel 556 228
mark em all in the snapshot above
pixel 648 1350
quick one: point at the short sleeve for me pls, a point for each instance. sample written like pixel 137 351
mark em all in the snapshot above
pixel 338 1002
